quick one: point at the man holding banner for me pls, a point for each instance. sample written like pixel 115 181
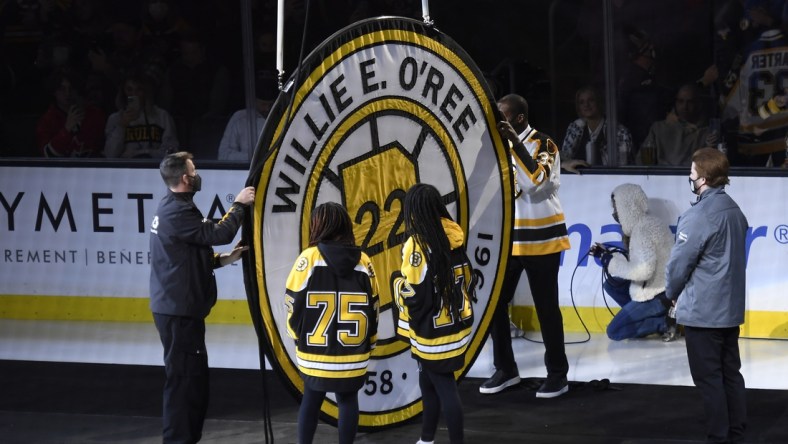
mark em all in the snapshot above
pixel 538 238
pixel 183 290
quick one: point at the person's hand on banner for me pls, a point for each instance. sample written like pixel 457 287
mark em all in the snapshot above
pixel 232 256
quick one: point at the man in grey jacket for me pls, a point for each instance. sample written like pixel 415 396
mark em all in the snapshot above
pixel 706 280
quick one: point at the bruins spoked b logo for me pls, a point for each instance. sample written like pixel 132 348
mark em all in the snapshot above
pixel 382 105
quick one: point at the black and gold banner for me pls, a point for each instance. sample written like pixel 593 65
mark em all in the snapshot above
pixel 381 105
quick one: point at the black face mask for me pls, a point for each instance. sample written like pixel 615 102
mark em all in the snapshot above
pixel 196 182
pixel 693 188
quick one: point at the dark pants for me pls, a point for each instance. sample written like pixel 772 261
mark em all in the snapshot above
pixel 186 386
pixel 308 413
pixel 638 319
pixel 439 391
pixel 714 362
pixel 542 272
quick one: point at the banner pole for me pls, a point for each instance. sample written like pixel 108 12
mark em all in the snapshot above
pixel 425 12
pixel 280 32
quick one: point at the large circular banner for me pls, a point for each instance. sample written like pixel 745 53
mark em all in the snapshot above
pixel 381 105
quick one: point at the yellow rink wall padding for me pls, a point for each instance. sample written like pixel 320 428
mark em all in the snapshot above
pixel 758 324
pixel 109 309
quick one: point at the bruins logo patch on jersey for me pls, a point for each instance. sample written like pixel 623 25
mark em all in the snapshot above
pixel 415 259
pixel 382 105
pixel 370 269
pixel 303 264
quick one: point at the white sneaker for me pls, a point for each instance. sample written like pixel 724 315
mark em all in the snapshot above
pixel 425 442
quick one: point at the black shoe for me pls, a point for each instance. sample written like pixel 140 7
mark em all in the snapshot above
pixel 499 381
pixel 553 387
pixel 672 333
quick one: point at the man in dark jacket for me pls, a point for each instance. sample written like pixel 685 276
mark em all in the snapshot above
pixel 706 279
pixel 183 290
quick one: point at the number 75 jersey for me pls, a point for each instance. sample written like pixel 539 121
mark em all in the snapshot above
pixel 332 313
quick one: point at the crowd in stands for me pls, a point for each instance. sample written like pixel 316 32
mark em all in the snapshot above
pixel 141 78
pixel 736 105
pixel 124 78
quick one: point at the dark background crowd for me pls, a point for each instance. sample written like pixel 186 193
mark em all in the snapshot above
pixel 169 74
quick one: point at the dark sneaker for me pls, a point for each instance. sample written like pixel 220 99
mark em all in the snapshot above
pixel 499 381
pixel 552 387
pixel 671 335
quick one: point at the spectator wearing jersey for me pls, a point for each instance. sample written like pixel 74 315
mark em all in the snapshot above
pixel 585 142
pixel 333 346
pixel 71 127
pixel 761 135
pixel 139 129
pixel 776 105
pixel 434 300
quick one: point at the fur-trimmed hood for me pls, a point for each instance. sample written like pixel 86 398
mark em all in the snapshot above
pixel 650 241
pixel 631 204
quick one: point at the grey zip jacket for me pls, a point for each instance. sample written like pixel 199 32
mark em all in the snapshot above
pixel 706 269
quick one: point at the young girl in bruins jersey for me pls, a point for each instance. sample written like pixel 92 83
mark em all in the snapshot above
pixel 332 313
pixel 435 307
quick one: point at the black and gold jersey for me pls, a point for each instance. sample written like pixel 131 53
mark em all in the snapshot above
pixel 332 313
pixel 438 338
pixel 539 224
pixel 762 125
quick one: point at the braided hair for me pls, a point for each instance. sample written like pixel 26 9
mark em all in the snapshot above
pixel 423 209
pixel 330 222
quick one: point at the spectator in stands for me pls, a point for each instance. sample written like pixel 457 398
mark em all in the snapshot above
pixel 642 98
pixel 585 142
pixel 124 53
pixel 761 136
pixel 265 49
pixel 120 53
pixel 196 86
pixel 672 141
pixel 86 22
pixel 71 127
pixel 235 144
pixel 54 52
pixel 139 128
pixel 162 27
pixel 776 105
